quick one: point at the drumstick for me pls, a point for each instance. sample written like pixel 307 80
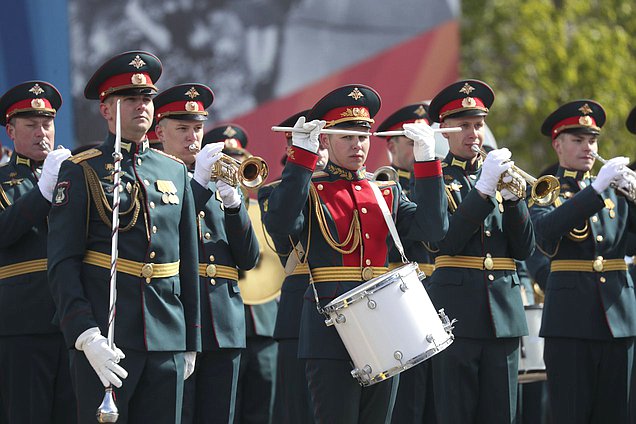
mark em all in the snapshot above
pixel 323 131
pixel 399 133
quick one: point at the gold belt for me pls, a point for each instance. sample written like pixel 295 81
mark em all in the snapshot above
pixel 597 265
pixel 301 269
pixel 475 262
pixel 346 273
pixel 218 271
pixel 138 269
pixel 427 269
pixel 21 268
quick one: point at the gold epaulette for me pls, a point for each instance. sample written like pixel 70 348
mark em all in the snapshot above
pixel 168 155
pixel 384 183
pixel 85 155
pixel 319 174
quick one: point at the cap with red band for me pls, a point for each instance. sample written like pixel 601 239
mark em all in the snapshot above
pixel 35 98
pixel 133 72
pixel 187 102
pixel 577 117
pixel 413 113
pixel 463 98
pixel 347 106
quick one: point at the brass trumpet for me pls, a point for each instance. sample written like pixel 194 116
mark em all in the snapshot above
pixel 250 173
pixel 545 189
pixel 385 173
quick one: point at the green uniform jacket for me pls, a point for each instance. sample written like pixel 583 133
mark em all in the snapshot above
pixel 160 314
pixel 341 192
pixel 486 304
pixel 225 238
pixel 290 306
pixel 26 305
pixel 586 305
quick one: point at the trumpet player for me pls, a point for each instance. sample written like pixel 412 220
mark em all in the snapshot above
pixel 589 316
pixel 226 243
pixel 475 278
pixel 257 368
pixel 414 402
pixel 34 372
pixel 157 303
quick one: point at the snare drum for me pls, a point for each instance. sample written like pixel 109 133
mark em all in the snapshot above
pixel 388 325
pixel 531 365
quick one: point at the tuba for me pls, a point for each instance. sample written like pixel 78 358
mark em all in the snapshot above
pixel 544 190
pixel 262 283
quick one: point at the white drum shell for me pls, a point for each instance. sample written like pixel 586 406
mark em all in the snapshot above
pixel 402 330
pixel 531 365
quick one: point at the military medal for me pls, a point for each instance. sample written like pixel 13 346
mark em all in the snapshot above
pixel 168 190
pixel 165 198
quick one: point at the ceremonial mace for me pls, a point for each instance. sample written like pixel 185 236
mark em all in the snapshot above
pixel 107 411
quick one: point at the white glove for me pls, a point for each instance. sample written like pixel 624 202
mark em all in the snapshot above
pixel 610 172
pixel 102 358
pixel 229 195
pixel 50 169
pixel 190 359
pixel 507 194
pixel 497 162
pixel 204 161
pixel 306 134
pixel 424 141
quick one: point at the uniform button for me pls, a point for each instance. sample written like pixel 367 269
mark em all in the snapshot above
pixel 138 161
pixel 491 277
pixel 488 233
pixel 582 184
pixel 319 187
pixel 386 192
pixel 207 236
pixel 368 262
pixel 595 218
pixel 152 255
pixel 599 238
pixel 602 279
pixel 366 236
pixel 202 214
pixel 212 281
pixel 121 188
pixel 152 205
pixel 357 187
pixel 154 229
pixel 211 258
pixel 147 182
pixel 363 210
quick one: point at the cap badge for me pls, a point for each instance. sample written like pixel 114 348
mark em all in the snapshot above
pixel 586 120
pixel 192 93
pixel 469 102
pixel 586 109
pixel 36 89
pixel 137 62
pixel 37 104
pixel 467 89
pixel 356 94
pixel 420 111
pixel 231 143
pixel 229 132
pixel 192 106
pixel 138 79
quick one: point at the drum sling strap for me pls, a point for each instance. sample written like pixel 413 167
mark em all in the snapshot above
pixel 392 230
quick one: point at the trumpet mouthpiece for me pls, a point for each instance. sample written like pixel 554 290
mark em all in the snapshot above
pixel 193 148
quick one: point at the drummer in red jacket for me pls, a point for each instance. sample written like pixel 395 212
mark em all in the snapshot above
pixel 337 217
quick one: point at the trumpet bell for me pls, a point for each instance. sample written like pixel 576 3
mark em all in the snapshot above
pixel 385 173
pixel 250 173
pixel 545 190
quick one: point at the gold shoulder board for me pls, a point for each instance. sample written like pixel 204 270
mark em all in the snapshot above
pixel 85 155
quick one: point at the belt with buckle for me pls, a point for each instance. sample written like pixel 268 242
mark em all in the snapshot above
pixel 21 268
pixel 597 265
pixel 301 269
pixel 218 271
pixel 427 269
pixel 487 263
pixel 346 273
pixel 138 269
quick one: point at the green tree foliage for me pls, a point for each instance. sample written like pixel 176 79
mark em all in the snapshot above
pixel 539 54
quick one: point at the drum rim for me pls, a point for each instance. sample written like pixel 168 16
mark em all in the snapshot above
pixel 392 372
pixel 347 298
